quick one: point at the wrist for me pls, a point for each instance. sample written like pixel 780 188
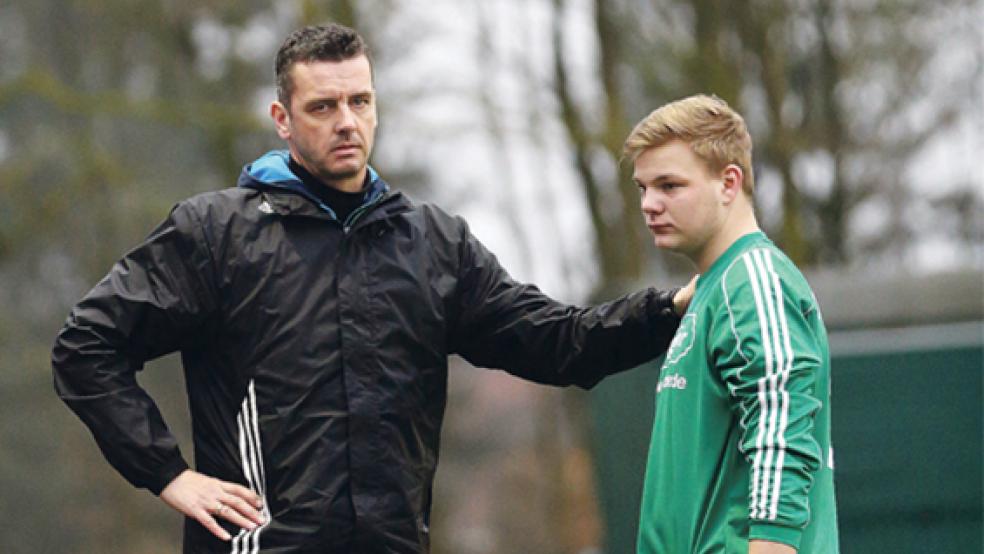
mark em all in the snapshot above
pixel 168 472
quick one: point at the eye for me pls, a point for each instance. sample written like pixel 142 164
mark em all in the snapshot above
pixel 322 107
pixel 360 101
pixel 668 186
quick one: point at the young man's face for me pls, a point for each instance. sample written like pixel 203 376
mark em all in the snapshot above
pixel 681 198
pixel 331 122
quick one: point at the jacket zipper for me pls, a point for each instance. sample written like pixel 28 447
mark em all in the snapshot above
pixel 353 217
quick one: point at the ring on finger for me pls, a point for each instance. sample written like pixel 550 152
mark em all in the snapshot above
pixel 221 509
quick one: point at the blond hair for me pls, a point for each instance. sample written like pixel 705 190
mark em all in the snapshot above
pixel 716 133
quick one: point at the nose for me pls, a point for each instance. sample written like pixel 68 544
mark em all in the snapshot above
pixel 652 203
pixel 346 120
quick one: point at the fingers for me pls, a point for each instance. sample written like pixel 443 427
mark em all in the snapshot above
pixel 213 526
pixel 237 518
pixel 681 300
pixel 238 510
pixel 234 510
pixel 242 492
pixel 206 499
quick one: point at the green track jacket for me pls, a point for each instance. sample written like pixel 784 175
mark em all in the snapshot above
pixel 741 441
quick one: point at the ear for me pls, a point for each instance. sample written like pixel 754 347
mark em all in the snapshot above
pixel 281 119
pixel 375 111
pixel 732 181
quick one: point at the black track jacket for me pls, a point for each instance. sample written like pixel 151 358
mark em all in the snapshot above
pixel 315 354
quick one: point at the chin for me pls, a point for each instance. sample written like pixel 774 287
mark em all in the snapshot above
pixel 345 171
pixel 665 243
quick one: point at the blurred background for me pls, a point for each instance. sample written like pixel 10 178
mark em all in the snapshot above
pixel 868 121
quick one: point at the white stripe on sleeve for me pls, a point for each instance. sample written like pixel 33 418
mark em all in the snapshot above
pixel 784 394
pixel 770 436
pixel 757 473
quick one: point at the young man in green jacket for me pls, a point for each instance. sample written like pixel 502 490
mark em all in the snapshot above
pixel 740 459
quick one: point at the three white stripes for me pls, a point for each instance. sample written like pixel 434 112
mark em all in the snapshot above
pixel 772 395
pixel 251 453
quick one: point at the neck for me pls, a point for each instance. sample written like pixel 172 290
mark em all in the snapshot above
pixel 739 222
pixel 348 184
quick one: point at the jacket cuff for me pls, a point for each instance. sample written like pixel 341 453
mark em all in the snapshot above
pixel 168 473
pixel 661 304
pixel 775 533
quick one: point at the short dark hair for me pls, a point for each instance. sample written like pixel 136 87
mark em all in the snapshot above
pixel 331 42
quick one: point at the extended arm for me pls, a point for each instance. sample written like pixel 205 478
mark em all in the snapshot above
pixel 514 326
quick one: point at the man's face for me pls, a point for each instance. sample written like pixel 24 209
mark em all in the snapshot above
pixel 331 122
pixel 681 198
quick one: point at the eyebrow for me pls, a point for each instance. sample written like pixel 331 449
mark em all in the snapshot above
pixel 658 178
pixel 335 97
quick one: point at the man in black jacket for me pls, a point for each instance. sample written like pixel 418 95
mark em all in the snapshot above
pixel 314 309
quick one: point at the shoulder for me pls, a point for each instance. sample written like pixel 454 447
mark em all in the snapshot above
pixel 436 214
pixel 434 219
pixel 221 207
pixel 449 236
pixel 763 273
pixel 229 199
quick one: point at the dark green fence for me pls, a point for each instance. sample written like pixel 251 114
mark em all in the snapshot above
pixel 907 424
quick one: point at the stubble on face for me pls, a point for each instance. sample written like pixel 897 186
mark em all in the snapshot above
pixel 322 163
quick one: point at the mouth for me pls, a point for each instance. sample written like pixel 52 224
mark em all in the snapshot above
pixel 660 228
pixel 346 149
